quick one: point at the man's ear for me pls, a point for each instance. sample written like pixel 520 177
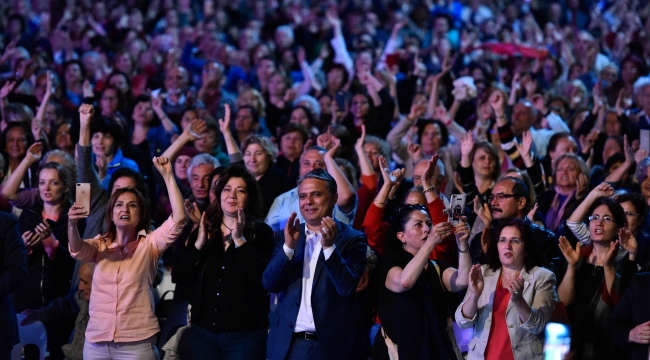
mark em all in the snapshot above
pixel 522 203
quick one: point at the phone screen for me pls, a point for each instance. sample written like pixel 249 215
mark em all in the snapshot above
pixel 341 97
pixel 557 341
pixel 644 140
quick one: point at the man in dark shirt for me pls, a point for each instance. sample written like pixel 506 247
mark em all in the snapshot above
pixel 509 199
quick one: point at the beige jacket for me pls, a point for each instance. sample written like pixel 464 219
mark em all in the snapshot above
pixel 527 338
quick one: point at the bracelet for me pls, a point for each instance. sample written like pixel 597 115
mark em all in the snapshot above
pixel 463 252
pixel 380 203
pixel 432 188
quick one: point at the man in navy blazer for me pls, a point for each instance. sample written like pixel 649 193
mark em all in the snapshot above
pixel 629 323
pixel 315 270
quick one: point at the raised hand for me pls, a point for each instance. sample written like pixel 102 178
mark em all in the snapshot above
pixel 526 145
pixel 333 17
pixel 87 89
pixel 196 130
pixel 417 111
pixel 224 124
pixel 86 112
pixel 476 280
pixel 324 140
pixel 602 190
pixel 163 165
pixel 628 241
pixel 336 143
pixel 76 213
pixel 389 179
pixel 292 231
pixel 7 88
pixel 427 175
pixel 483 212
pixel 571 255
pixel 588 142
pixel 35 152
pixel 328 231
pixel 462 234
pixel 466 145
pixel 441 113
pixel 49 87
pixel 301 55
pixel 439 232
pixel 414 150
pixel 398 174
pixel 156 105
pixel 361 140
pixel 497 102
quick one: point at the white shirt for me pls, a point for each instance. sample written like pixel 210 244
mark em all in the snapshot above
pixel 289 202
pixel 313 247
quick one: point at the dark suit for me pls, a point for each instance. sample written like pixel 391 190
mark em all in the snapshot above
pixel 631 311
pixel 13 272
pixel 335 307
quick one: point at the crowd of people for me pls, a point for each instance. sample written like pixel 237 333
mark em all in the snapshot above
pixel 296 167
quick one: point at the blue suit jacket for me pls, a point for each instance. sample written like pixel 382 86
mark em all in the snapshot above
pixel 334 301
pixel 631 311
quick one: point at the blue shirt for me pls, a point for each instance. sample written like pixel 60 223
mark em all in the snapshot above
pixel 288 203
pixel 119 161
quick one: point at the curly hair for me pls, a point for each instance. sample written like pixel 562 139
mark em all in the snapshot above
pixel 253 209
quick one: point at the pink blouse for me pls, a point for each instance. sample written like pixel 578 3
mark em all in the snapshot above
pixel 121 303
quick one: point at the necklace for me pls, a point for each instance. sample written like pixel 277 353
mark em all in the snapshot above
pixel 229 236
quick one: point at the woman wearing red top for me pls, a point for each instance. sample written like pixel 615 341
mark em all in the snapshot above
pixel 510 299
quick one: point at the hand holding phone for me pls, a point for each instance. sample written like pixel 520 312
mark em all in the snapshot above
pixel 83 196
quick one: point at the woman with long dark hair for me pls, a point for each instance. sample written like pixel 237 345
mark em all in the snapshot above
pixel 225 260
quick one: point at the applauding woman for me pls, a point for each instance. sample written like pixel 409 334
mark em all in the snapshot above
pixel 597 276
pixel 510 299
pixel 411 303
pixel 122 323
pixel 225 260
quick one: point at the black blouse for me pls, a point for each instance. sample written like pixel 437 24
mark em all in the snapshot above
pixel 416 319
pixel 227 293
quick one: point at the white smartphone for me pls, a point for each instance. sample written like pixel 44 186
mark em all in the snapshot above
pixel 557 341
pixel 456 208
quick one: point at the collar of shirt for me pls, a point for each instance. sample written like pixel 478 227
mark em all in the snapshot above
pixel 180 101
pixel 117 159
pixel 130 246
pixel 313 236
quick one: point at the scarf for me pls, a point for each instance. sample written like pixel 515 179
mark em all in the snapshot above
pixel 556 211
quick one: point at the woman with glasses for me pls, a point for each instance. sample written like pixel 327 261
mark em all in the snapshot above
pixel 414 314
pixel 597 275
pixel 635 210
pixel 510 299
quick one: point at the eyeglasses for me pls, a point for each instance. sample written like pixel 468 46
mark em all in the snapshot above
pixel 501 197
pixel 514 241
pixel 629 213
pixel 606 218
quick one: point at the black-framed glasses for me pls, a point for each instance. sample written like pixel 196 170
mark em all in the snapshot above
pixel 606 218
pixel 501 197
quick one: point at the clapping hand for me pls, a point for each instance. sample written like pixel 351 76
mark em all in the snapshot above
pixel 87 89
pixel 628 242
pixel 192 211
pixel 516 288
pixel 483 212
pixel 361 140
pixel 7 88
pixel 202 236
pixel 163 165
pixel 292 231
pixel 328 232
pixel 476 282
pixel 389 179
pixel 526 145
pixel 427 175
pixel 571 255
pixel 414 150
pixel 238 230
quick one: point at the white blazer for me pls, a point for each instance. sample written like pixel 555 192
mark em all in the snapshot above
pixel 527 338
